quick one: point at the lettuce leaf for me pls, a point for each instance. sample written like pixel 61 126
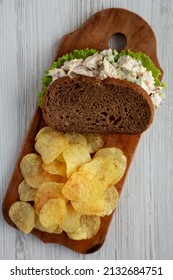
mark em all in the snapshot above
pixel 46 79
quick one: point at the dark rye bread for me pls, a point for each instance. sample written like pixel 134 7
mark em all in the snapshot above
pixel 89 105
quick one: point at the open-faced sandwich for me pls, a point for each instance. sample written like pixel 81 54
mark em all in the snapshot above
pixel 101 92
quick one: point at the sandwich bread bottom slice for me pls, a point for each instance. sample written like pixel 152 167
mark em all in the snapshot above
pixel 89 105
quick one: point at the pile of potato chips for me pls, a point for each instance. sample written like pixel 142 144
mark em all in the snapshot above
pixel 68 184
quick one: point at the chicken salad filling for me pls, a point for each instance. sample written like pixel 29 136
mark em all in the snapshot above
pixel 109 63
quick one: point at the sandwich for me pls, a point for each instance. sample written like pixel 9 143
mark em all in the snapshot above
pixel 90 91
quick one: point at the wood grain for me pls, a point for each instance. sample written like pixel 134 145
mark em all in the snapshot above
pixel 98 30
pixel 94 33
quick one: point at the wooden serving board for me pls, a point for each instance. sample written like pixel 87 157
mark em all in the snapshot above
pixel 95 33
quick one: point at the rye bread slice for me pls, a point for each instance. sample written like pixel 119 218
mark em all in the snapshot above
pixel 89 105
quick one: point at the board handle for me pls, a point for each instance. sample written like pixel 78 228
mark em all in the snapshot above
pixel 97 31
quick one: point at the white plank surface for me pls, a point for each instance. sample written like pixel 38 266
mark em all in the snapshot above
pixel 30 31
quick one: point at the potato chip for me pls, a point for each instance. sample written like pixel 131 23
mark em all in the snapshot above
pixel 103 206
pixel 45 129
pixel 117 155
pixel 93 207
pixel 89 226
pixel 45 192
pixel 94 142
pixel 53 212
pixel 33 172
pixel 26 193
pixel 55 167
pixel 111 198
pixel 22 215
pixel 83 186
pixel 48 135
pixel 103 168
pixel 40 227
pixel 75 155
pixel 48 153
pixel 76 138
pixel 50 144
pixel 72 220
pixel 60 158
pixel 58 230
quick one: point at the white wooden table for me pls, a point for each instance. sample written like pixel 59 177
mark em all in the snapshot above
pixel 30 31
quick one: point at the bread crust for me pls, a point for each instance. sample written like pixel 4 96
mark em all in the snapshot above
pixel 90 105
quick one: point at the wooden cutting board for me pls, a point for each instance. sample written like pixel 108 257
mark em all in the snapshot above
pixel 95 33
